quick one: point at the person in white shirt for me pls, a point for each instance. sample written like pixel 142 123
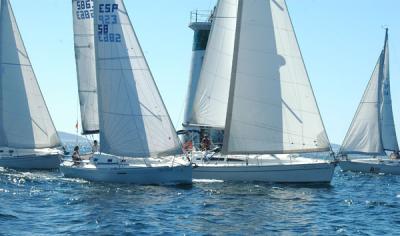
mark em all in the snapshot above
pixel 95 147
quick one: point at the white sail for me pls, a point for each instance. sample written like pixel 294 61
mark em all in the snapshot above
pixel 82 12
pixel 133 119
pixel 372 130
pixel 388 130
pixel 211 99
pixel 24 118
pixel 272 108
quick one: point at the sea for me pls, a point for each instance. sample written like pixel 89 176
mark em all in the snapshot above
pixel 45 203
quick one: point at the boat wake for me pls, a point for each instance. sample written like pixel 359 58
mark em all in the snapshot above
pixel 207 181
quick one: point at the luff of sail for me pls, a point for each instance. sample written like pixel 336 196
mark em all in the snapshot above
pixel 25 121
pixel 133 119
pixel 272 108
pixel 82 12
pixel 372 130
pixel 211 98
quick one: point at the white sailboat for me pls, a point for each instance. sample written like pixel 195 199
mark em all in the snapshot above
pixel 138 141
pixel 254 85
pixel 28 138
pixel 372 133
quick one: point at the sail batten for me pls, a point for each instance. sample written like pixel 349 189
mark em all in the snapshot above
pixel 133 119
pixel 85 65
pixel 25 120
pixel 272 108
pixel 372 130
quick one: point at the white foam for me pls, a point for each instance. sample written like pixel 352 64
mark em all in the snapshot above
pixel 207 181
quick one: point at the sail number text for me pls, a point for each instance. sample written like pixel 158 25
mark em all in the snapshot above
pixel 84 9
pixel 107 16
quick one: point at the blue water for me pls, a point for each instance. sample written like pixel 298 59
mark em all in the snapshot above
pixel 44 203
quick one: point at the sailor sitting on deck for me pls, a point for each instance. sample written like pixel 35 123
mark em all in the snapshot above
pixel 95 147
pixel 205 143
pixel 76 156
pixel 188 146
pixel 395 156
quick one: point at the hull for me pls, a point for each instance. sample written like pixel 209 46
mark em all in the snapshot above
pixel 28 162
pixel 371 166
pixel 131 175
pixel 295 173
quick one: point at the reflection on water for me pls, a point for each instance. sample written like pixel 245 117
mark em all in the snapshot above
pixel 46 203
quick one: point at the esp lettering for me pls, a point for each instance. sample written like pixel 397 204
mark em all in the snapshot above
pixel 107 8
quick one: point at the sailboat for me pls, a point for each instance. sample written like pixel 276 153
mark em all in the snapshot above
pixel 372 135
pixel 254 86
pixel 28 138
pixel 139 144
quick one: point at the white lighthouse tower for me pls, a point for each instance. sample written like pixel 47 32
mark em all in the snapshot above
pixel 200 23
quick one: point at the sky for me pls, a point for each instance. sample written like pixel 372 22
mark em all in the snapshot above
pixel 340 41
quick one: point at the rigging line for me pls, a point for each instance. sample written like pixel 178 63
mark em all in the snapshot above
pixel 15 64
pixel 179 121
pixel 84 35
pixel 120 58
pixel 84 46
pixel 77 120
pixel 37 125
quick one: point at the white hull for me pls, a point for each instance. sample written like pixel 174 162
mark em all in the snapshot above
pixel 128 173
pixel 39 162
pixel 371 166
pixel 298 170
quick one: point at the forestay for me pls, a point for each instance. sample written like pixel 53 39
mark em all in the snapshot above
pixel 272 108
pixel 133 119
pixel 24 118
pixel 82 12
pixel 211 98
pixel 372 130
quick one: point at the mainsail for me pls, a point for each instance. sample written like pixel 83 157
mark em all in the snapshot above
pixel 133 119
pixel 372 130
pixel 82 12
pixel 25 121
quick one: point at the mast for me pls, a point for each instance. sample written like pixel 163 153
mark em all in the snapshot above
pixel 380 91
pixel 3 137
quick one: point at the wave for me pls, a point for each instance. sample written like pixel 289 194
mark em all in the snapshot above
pixel 7 217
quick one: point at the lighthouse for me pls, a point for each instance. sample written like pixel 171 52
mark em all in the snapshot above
pixel 200 23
